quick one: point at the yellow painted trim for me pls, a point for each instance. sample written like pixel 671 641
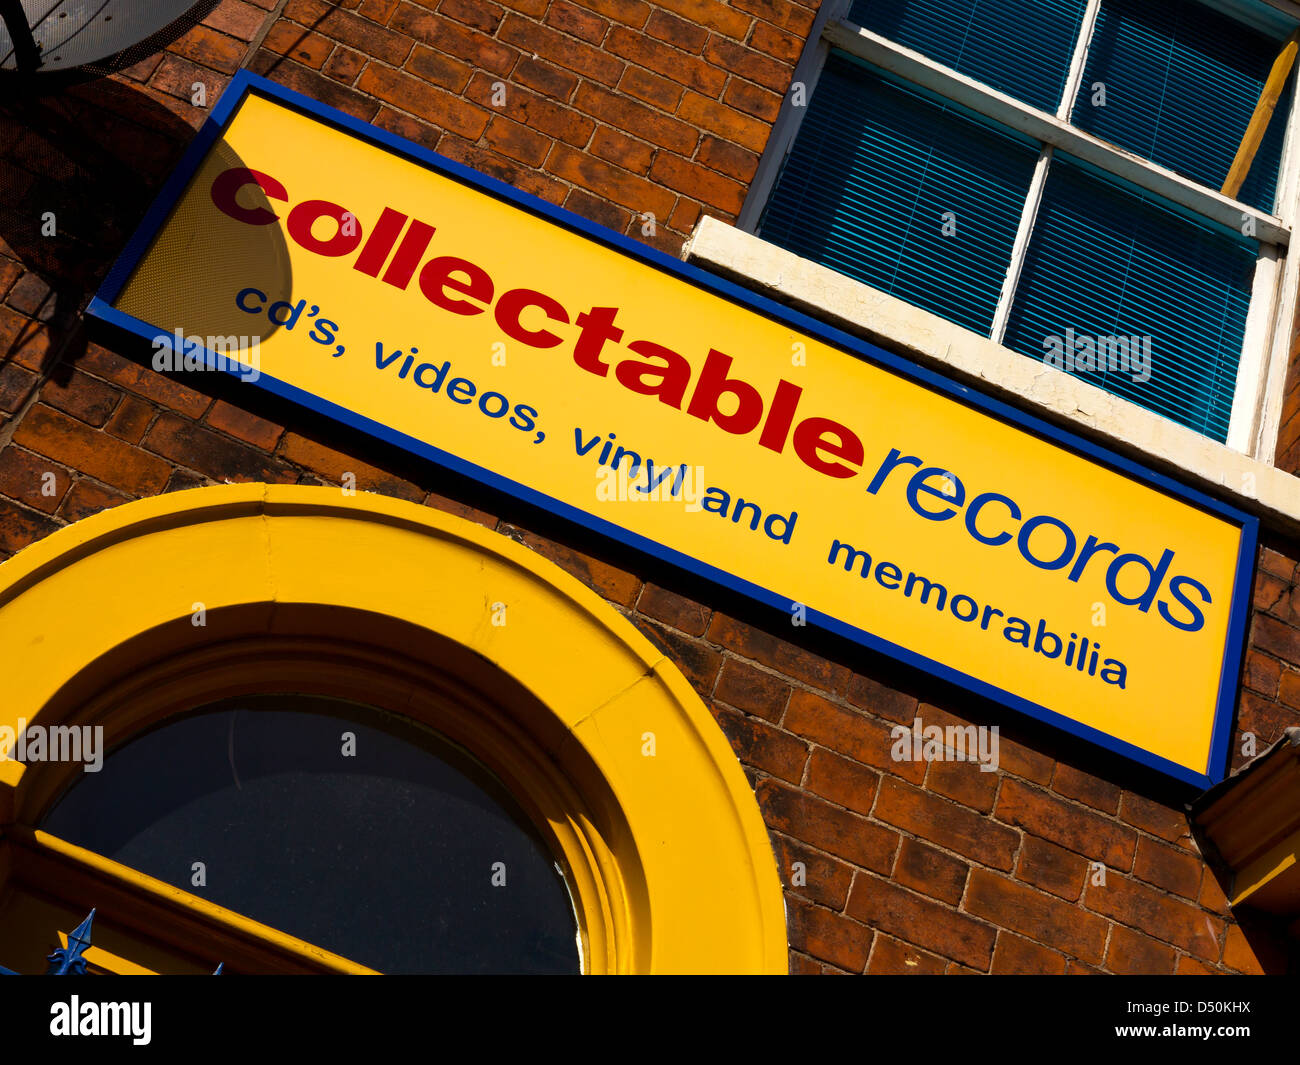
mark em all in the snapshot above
pixel 99 958
pixel 668 854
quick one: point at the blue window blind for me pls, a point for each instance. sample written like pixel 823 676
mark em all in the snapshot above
pixel 1181 82
pixel 1104 261
pixel 1020 47
pixel 873 173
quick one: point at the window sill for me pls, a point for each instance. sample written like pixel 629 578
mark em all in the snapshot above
pixel 937 344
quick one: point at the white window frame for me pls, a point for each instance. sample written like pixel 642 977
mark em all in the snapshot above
pixel 1261 372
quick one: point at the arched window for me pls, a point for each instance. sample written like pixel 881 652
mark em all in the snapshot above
pixel 340 824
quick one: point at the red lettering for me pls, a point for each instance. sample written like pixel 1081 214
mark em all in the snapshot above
pixel 436 280
pixel 225 190
pixel 304 216
pixel 511 305
pixel 810 438
pixel 713 385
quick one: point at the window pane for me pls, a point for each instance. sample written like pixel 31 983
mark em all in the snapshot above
pixel 905 194
pixel 1020 47
pixel 1181 82
pixel 1116 271
pixel 384 856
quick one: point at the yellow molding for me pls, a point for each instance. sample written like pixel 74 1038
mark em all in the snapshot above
pixel 667 854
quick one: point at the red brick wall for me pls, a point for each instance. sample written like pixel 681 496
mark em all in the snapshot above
pixel 616 108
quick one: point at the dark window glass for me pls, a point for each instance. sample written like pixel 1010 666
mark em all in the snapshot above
pixel 385 857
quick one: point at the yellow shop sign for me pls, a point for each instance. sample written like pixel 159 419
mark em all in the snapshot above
pixel 332 263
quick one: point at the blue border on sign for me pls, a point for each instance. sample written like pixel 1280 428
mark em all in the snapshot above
pixel 244 83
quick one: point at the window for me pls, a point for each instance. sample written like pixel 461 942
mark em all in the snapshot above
pixel 1102 185
pixel 340 824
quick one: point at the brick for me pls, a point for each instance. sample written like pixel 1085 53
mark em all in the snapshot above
pixel 10 272
pixel 681 613
pixel 1052 868
pixel 609 181
pixel 476 48
pixel 334 464
pixel 1157 914
pixel 1015 956
pixel 244 426
pixel 826 827
pixel 16 385
pixel 20 527
pixel 545 78
pixel 752 690
pixel 376 10
pixel 651 88
pixel 562 50
pixel 672 63
pixel 727 158
pixel 1275 562
pixel 1238 953
pixel 621 150
pixel 763 647
pixel 1212 897
pixel 568 18
pixel 629 12
pixel 1277 638
pixel 930 871
pixel 841 781
pixel 209 48
pixel 425 100
pixel 24 342
pixel 684 215
pixel 310 49
pixel 143 382
pixel 760 745
pixel 517 141
pixel 86 498
pixel 829 936
pixel 1189 966
pixel 55 435
pixel 316 85
pixel 238 19
pixel 413 129
pixel 461 510
pixel 536 8
pixel 963 782
pixel 784 46
pixel 480 14
pixel 890 956
pixel 1153 817
pixel 750 65
pixel 1168 867
pixel 1262 674
pixel 945 823
pixel 693 657
pixel 846 732
pixel 190 444
pixel 716 16
pixel 1270 594
pixel 1131 953
pixel 1022 761
pixel 1071 826
pixel 625 114
pixel 823 879
pixel 86 398
pixel 344 65
pixel 1044 918
pixel 1086 788
pixel 782 13
pixel 29 293
pixel 705 185
pixel 536 112
pixel 802 965
pixel 510 171
pixel 25 477
pixel 678 32
pixel 611 582
pixel 442 70
pixel 388 45
pixel 726 122
pixel 602 212
pixel 920 921
pixel 752 100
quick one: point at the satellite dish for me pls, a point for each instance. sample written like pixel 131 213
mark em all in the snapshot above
pixel 47 36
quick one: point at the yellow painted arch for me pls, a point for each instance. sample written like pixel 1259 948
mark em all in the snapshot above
pixel 308 589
